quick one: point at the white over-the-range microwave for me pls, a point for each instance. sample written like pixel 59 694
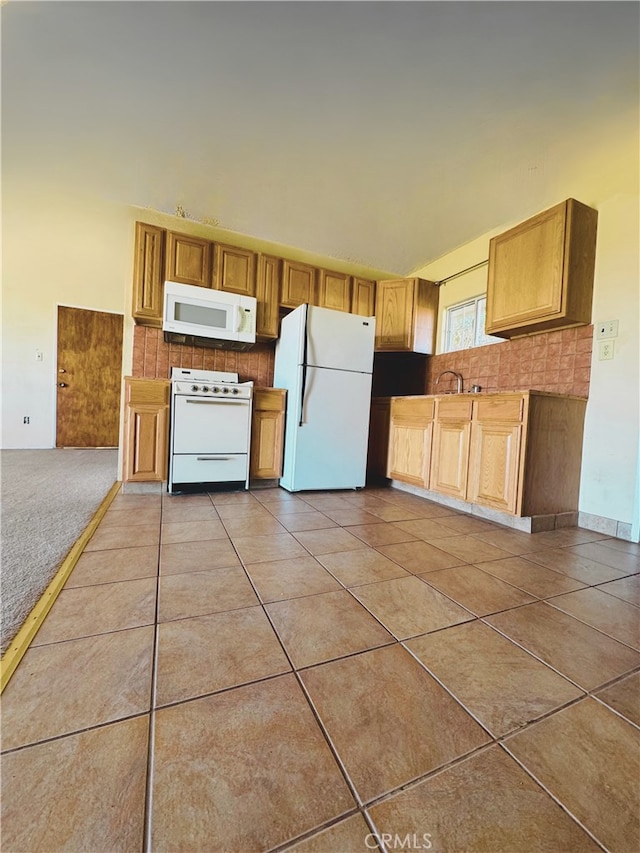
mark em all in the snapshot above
pixel 208 318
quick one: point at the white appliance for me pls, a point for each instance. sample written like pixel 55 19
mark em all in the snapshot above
pixel 324 359
pixel 211 318
pixel 210 431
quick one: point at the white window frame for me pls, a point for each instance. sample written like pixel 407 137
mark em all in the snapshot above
pixel 480 339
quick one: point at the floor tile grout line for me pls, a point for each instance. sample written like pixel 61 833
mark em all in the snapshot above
pixel 342 768
pixel 311 833
pixel 148 798
pixel 618 713
pixel 554 797
pixel 595 627
pixel 536 656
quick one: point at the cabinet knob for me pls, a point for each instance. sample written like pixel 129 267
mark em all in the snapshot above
pixel 62 384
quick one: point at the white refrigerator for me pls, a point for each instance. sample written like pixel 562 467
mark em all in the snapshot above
pixel 324 359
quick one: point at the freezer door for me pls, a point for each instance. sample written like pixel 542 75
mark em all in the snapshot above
pixel 329 449
pixel 340 341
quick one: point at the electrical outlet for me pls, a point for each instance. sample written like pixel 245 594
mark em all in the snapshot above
pixel 607 329
pixel 606 350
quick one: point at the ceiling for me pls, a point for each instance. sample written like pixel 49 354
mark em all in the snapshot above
pixel 383 134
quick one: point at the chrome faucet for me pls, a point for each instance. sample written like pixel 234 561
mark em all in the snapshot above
pixel 453 373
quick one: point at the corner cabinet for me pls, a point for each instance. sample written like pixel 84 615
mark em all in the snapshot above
pixel 146 429
pixel 148 274
pixel 378 445
pixel 406 313
pixel 267 433
pixel 541 272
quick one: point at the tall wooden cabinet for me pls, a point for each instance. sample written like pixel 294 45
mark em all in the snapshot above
pixel 146 429
pixel 541 272
pixel 406 314
pixel 148 274
pixel 268 296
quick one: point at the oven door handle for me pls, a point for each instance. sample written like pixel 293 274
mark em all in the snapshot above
pixel 213 458
pixel 224 401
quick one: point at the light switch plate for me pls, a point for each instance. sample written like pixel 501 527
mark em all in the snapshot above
pixel 607 329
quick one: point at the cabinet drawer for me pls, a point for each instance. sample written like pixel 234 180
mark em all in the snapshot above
pixel 412 408
pixel 269 399
pixel 147 391
pixel 454 409
pixel 499 409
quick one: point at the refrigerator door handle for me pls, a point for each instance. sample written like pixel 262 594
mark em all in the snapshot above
pixel 304 366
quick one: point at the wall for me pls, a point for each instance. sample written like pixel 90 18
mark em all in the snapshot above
pixel 611 461
pixel 61 247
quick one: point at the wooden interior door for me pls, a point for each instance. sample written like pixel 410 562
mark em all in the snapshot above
pixel 89 374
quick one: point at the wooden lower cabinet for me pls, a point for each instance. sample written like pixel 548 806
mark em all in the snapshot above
pixel 494 465
pixel 146 429
pixel 519 453
pixel 410 439
pixel 267 433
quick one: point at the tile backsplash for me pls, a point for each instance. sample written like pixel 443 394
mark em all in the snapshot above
pixel 558 361
pixel 153 358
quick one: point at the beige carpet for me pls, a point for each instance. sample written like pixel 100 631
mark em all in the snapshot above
pixel 48 498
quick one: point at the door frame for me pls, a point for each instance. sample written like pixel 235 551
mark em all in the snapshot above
pixel 54 367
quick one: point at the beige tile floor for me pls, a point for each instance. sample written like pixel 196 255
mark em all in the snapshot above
pixel 263 671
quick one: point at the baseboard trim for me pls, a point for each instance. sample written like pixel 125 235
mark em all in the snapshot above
pixel 34 620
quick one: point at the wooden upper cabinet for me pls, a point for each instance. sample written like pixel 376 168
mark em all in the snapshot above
pixel 148 274
pixel 363 297
pixel 541 272
pixel 298 284
pixel 334 290
pixel 406 313
pixel 267 294
pixel 188 259
pixel 234 270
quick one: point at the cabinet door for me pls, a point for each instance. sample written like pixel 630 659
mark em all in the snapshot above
pixel 188 259
pixel 450 460
pixel 394 315
pixel 268 293
pixel 494 465
pixel 334 290
pixel 409 453
pixel 148 275
pixel 234 270
pixel 378 447
pixel 541 272
pixel 267 433
pixel 298 284
pixel 147 443
pixel 363 297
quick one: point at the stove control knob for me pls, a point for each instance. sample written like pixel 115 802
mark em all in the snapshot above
pixel 204 388
pixel 225 390
pixel 234 391
pixel 194 387
pixel 216 390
